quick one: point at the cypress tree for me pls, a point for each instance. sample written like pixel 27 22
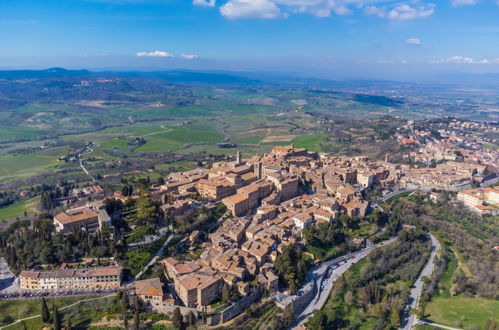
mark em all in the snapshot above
pixel 136 320
pixel 57 320
pixel 45 311
pixel 177 319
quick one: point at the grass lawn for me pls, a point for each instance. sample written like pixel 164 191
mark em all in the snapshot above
pixel 462 312
pixel 16 309
pixel 17 209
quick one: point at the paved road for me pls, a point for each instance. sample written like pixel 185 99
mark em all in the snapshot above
pixel 324 285
pixel 7 279
pixel 409 320
pixel 489 182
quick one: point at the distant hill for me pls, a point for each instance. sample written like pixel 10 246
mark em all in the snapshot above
pixel 37 74
pixel 177 76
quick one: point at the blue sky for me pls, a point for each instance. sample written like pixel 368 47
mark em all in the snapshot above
pixel 286 35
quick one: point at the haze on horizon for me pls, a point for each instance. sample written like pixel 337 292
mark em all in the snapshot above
pixel 323 38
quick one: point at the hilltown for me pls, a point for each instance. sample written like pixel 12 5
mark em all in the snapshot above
pixel 270 199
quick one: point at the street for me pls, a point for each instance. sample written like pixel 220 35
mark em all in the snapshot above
pixel 409 319
pixel 324 277
pixel 8 283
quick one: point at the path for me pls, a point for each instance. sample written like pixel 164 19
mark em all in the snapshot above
pixel 410 319
pixel 61 309
pixel 155 259
pixel 436 325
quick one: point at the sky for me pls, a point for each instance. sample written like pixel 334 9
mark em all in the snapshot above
pixel 315 37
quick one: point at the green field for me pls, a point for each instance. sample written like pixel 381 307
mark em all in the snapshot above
pixel 10 133
pixel 178 136
pixel 314 143
pixel 462 312
pixel 17 210
pixel 17 309
pixel 14 167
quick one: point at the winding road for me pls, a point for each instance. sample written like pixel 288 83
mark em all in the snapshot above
pixel 410 320
pixel 319 276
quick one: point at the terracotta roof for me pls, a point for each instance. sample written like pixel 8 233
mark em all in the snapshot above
pixel 150 287
pixel 75 215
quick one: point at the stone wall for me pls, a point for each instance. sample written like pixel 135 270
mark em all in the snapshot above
pixel 235 309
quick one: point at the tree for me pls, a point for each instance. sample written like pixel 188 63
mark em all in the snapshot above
pixel 147 211
pixel 204 316
pixel 291 267
pixel 124 307
pixel 45 311
pixel 318 321
pixel 288 316
pixel 395 317
pixel 191 319
pixel 177 319
pixel 136 303
pixel 349 298
pixel 136 320
pixel 225 293
pixel 68 325
pixel 56 319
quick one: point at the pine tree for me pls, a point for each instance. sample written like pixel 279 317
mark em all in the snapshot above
pixel 45 311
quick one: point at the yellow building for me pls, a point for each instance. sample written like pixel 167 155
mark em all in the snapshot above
pixel 71 279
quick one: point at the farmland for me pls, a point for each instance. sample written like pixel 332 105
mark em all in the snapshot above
pixel 18 209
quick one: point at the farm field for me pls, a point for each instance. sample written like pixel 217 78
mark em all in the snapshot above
pixel 17 210
pixel 18 166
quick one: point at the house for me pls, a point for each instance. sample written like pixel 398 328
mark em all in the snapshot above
pixel 302 220
pixel 197 290
pixel 150 292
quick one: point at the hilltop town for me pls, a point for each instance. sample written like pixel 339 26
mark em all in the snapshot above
pixel 259 213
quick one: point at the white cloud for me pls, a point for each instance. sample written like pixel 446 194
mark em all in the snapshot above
pixel 457 3
pixel 462 60
pixel 266 9
pixel 204 3
pixel 413 41
pixel 269 9
pixel 406 12
pixel 157 53
pixel 189 56
pixel 376 11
